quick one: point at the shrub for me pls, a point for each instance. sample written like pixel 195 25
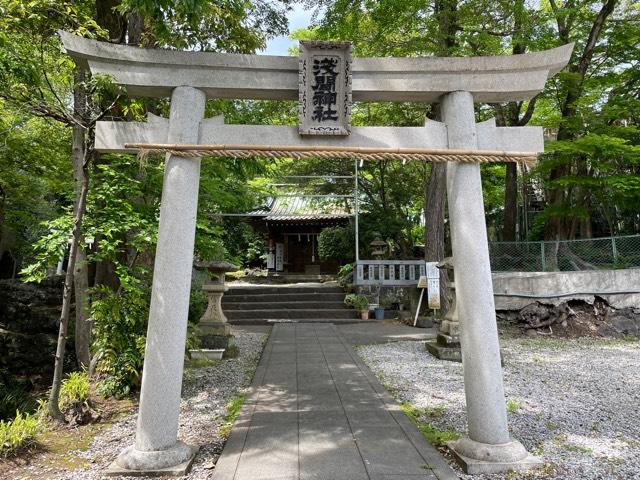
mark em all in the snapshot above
pixel 345 275
pixel 197 303
pixel 357 301
pixel 197 307
pixel 13 396
pixel 388 300
pixel 74 389
pixel 336 243
pixel 119 339
pixel 232 351
pixel 19 433
pixel 345 270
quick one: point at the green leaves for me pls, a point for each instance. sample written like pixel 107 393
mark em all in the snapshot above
pixel 336 243
pixel 224 26
pixel 120 321
pixel 19 433
pixel 49 248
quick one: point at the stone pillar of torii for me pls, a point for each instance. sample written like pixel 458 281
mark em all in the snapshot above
pixel 325 80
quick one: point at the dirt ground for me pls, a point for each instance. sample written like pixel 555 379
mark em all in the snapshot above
pixel 53 455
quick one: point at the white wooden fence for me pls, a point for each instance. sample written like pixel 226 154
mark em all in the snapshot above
pixel 389 272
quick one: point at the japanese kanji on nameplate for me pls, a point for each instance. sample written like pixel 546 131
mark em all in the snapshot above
pixel 325 88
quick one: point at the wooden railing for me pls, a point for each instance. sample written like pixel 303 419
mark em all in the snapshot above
pixel 388 272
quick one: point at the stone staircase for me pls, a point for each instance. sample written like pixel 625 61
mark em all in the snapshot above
pixel 266 304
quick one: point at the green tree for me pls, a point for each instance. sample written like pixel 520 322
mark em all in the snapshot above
pixel 603 32
pixel 42 82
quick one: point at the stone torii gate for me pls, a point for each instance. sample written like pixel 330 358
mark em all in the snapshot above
pixel 189 78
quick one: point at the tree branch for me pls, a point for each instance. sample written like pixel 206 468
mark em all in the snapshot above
pixel 46 77
pixel 594 34
pixel 522 121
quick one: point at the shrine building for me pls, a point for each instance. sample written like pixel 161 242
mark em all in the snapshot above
pixel 291 226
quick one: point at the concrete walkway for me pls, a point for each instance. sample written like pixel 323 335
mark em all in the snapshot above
pixel 315 411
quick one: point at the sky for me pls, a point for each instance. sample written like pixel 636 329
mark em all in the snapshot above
pixel 298 18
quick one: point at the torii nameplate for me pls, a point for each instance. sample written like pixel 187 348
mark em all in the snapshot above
pixel 324 106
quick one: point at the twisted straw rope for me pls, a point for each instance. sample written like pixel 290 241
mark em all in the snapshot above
pixel 237 151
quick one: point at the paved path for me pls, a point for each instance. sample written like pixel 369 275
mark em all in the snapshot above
pixel 316 412
pixel 383 332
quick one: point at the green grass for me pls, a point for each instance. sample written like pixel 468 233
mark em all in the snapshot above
pixel 233 410
pixel 624 341
pixel 232 351
pixel 392 390
pixel 435 437
pixel 538 449
pixel 434 412
pixel 513 405
pixel 195 363
pixel 552 426
pixel 572 447
pixel 19 433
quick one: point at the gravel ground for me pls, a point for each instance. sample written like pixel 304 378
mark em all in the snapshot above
pixel 205 394
pixel 575 402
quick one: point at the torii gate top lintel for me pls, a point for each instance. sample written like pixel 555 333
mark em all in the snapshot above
pixel 155 73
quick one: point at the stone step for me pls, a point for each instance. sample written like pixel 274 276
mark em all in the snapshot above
pixel 267 304
pixel 271 321
pixel 334 313
pixel 283 297
pixel 282 290
pixel 297 304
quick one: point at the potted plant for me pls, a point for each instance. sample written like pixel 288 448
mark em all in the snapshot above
pixel 358 302
pixel 385 302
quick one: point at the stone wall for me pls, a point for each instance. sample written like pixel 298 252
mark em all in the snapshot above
pixel 515 290
pixel 29 315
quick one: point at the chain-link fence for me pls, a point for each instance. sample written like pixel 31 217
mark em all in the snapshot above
pixel 563 255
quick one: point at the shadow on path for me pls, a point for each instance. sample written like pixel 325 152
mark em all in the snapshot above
pixel 315 411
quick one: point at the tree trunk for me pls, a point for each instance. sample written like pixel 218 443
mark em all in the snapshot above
pixel 518 47
pixel 82 298
pixel 3 200
pixel 557 226
pixel 135 30
pixel 111 20
pixel 434 250
pixel 510 203
pixel 81 270
pixel 446 11
pixel 78 152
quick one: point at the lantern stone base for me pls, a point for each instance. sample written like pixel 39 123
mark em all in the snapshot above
pixel 214 329
pixel 445 347
pixel 214 340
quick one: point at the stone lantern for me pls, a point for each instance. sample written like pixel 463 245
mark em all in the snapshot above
pixel 447 344
pixel 214 329
pixel 378 247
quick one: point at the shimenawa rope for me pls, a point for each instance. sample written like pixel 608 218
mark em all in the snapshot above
pixel 356 153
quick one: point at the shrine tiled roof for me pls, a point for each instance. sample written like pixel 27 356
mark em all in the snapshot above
pixel 294 207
